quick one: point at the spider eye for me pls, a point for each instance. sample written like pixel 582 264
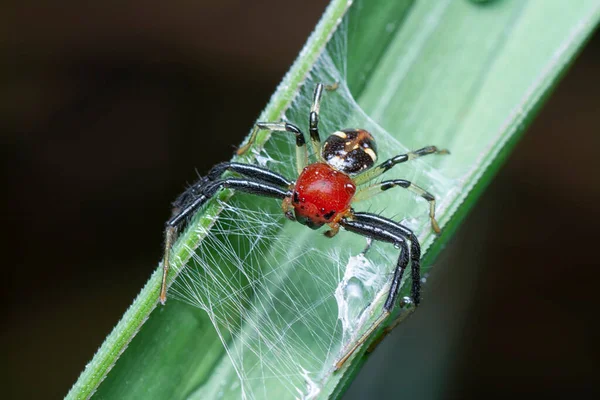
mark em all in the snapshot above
pixel 350 150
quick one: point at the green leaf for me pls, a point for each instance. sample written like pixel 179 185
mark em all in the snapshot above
pixel 464 75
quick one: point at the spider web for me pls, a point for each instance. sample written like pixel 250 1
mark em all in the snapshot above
pixel 284 300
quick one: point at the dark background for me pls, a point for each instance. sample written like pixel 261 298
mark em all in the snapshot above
pixel 106 111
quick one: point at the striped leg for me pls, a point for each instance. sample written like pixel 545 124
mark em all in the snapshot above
pixel 380 187
pixel 301 152
pixel 249 171
pixel 386 230
pixel 387 165
pixel 313 118
pixel 195 197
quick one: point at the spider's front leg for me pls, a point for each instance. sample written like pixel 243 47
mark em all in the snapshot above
pixel 383 229
pixel 256 173
pixel 251 171
pixel 399 230
pixel 198 195
pixel 185 204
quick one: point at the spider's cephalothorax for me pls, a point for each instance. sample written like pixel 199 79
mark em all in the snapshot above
pixel 323 194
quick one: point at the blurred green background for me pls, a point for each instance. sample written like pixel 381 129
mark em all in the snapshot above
pixel 107 110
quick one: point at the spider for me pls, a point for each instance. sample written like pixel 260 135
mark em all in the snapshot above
pixel 323 194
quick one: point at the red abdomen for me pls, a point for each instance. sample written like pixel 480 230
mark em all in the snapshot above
pixel 321 194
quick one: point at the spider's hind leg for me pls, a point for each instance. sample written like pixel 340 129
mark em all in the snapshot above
pixel 313 117
pixel 385 166
pixel 301 152
pixel 381 187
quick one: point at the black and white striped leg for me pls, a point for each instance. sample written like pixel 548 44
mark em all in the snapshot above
pixel 249 171
pixel 415 248
pixel 383 229
pixel 380 187
pixel 379 228
pixel 204 191
pixel 313 118
pixel 253 172
pixel 389 164
pixel 301 152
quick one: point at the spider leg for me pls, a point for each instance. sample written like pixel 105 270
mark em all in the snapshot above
pixel 407 234
pixel 301 152
pixel 313 118
pixel 189 195
pixel 380 187
pixel 385 230
pixel 204 191
pixel 253 172
pixel 387 165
